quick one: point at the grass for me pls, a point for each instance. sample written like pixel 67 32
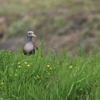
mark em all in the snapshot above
pixel 52 76
pixel 49 77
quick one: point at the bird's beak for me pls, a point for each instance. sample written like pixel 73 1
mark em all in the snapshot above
pixel 33 35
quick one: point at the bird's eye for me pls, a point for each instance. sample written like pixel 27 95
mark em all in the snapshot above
pixel 29 33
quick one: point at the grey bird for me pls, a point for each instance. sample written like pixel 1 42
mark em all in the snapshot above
pixel 29 47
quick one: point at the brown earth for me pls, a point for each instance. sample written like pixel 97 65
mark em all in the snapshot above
pixel 75 27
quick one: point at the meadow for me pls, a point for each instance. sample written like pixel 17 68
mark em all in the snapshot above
pixel 49 76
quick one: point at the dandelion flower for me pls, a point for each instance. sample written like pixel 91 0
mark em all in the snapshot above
pixel 48 66
pixel 28 65
pixel 18 62
pixel 25 62
pixel 19 66
pixel 2 83
pixel 15 74
pixel 70 67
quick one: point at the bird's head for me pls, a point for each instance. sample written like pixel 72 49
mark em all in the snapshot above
pixel 30 34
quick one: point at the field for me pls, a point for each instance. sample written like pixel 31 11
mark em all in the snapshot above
pixel 49 76
pixel 70 69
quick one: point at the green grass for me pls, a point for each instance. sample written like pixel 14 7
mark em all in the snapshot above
pixel 49 77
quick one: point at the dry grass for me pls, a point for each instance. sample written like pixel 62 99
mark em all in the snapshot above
pixel 59 17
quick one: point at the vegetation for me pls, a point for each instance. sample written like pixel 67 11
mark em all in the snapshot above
pixel 48 17
pixel 49 77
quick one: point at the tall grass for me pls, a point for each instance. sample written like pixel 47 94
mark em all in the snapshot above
pixel 49 77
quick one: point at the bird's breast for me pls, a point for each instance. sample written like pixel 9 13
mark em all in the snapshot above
pixel 28 47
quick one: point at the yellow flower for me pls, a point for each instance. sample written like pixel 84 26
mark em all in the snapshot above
pixel 48 66
pixel 19 66
pixel 25 62
pixel 2 83
pixel 15 74
pixel 70 67
pixel 18 62
pixel 28 65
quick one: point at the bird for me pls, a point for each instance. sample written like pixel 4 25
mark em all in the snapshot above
pixel 29 47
